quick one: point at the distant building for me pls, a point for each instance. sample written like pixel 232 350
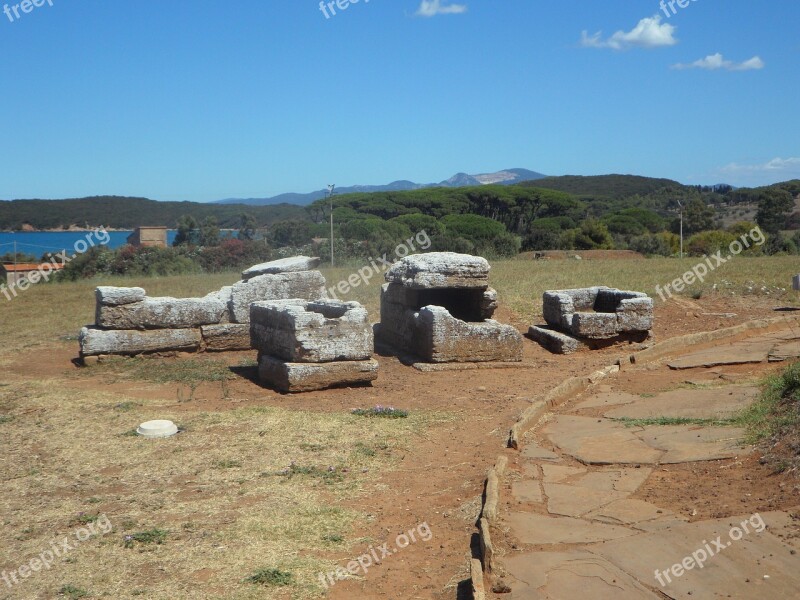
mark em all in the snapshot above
pixel 153 237
pixel 14 273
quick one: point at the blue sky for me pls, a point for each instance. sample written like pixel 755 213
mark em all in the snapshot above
pixel 201 100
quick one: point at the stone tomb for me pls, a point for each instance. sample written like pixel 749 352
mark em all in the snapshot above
pixel 593 317
pixel 438 306
pixel 128 322
pixel 312 345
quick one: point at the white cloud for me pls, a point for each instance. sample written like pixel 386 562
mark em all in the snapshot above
pixel 431 8
pixel 650 32
pixel 714 62
pixel 789 166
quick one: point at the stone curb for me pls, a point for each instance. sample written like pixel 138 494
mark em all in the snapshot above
pixel 476 575
pixel 489 513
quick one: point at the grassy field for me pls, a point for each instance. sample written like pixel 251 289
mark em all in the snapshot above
pixel 246 496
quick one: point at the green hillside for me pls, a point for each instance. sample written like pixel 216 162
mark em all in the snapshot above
pixel 615 187
pixel 125 213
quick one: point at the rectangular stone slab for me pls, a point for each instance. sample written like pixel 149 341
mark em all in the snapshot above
pixel 227 337
pixel 164 313
pixel 304 285
pixel 796 283
pixel 116 296
pixel 440 270
pixel 98 342
pixel 306 377
pixel 555 341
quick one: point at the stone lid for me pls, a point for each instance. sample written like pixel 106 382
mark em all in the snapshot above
pixel 283 265
pixel 118 296
pixel 436 270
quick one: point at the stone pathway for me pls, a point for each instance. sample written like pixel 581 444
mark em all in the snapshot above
pixel 580 531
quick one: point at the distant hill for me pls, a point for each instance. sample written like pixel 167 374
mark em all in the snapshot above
pixel 615 187
pixel 121 212
pixel 505 177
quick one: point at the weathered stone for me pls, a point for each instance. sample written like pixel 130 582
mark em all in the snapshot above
pixel 594 325
pixel 227 337
pixel 94 342
pixel 598 312
pixel 440 270
pixel 442 338
pixel 488 303
pixel 796 283
pixel 304 285
pixel 116 296
pixel 311 332
pixel 164 313
pixel 555 341
pixel 283 265
pixel 290 377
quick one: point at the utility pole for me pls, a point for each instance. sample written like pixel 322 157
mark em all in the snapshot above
pixel 15 260
pixel 331 188
pixel 681 213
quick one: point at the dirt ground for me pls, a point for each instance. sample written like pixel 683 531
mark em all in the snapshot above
pixel 440 480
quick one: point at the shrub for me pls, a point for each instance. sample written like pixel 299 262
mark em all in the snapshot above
pixel 709 242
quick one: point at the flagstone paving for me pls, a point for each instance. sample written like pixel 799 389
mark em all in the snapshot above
pixel 580 531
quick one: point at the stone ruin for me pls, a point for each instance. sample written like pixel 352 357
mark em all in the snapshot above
pixel 438 306
pixel 128 322
pixel 593 317
pixel 305 346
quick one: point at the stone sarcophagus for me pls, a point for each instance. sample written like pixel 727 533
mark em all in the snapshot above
pixel 583 317
pixel 438 306
pixel 312 345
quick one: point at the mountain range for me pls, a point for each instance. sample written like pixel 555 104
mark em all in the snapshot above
pixel 504 177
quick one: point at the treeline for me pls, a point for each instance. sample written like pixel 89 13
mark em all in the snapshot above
pixel 571 213
pixel 120 212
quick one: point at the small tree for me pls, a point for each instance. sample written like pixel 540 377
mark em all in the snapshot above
pixel 209 232
pixel 247 227
pixel 187 231
pixel 773 209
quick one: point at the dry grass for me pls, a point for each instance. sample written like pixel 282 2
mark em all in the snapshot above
pixel 236 492
pixel 240 492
